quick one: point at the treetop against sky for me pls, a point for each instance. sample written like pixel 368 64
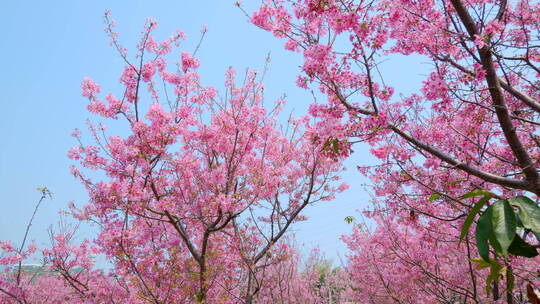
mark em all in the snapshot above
pixel 44 90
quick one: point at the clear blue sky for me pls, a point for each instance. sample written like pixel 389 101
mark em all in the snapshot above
pixel 48 47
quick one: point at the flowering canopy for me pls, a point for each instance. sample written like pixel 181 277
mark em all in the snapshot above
pixel 473 125
pixel 193 202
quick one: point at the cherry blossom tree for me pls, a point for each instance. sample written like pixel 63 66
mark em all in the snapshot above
pixel 473 125
pixel 193 202
pixel 305 280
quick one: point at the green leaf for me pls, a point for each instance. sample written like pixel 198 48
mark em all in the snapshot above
pixel 434 196
pixel 495 244
pixel 470 218
pixel 529 212
pixel 335 145
pixel 480 263
pixel 326 144
pixel 45 192
pixel 483 230
pixel 495 272
pixel 519 223
pixel 510 280
pixel 484 233
pixel 349 219
pixel 521 248
pixel 503 221
pixel 478 192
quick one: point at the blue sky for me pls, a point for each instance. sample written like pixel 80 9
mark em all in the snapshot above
pixel 48 47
